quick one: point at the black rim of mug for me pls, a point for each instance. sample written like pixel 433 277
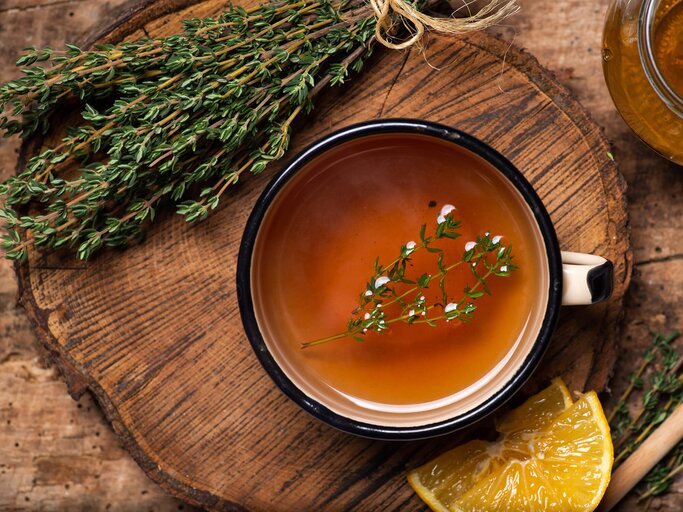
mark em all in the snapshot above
pixel 410 126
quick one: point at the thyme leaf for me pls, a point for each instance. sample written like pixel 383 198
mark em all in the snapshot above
pixel 486 257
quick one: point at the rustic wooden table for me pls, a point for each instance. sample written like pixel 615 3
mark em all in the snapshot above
pixel 56 453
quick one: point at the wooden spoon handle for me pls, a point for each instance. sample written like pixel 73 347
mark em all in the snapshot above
pixel 632 471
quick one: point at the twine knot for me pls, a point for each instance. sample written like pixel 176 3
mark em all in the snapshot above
pixel 390 12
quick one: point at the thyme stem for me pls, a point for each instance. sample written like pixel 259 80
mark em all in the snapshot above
pixel 381 291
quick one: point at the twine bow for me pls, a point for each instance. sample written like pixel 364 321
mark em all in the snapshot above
pixel 389 12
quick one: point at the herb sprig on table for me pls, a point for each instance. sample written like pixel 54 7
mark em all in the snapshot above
pixel 659 382
pixel 182 118
pixel 390 286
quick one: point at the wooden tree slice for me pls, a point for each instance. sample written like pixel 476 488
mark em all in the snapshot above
pixel 154 331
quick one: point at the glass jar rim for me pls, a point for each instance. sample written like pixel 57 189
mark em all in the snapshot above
pixel 646 24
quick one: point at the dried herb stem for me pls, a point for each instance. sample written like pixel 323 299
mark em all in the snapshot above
pixel 627 393
pixel 658 382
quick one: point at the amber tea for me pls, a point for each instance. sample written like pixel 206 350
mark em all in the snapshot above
pixel 361 201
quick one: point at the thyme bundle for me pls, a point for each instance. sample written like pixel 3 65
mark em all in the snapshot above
pixel 390 286
pixel 182 118
pixel 659 382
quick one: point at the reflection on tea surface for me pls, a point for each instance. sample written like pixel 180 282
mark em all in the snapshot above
pixel 367 198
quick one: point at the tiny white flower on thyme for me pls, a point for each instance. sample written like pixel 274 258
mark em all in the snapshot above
pixel 410 247
pixel 365 330
pixel 367 316
pixel 504 268
pixel 368 293
pixel 424 313
pixel 381 281
pixel 488 233
pixel 411 312
pixel 496 239
pixel 470 245
pixel 447 208
pixel 451 306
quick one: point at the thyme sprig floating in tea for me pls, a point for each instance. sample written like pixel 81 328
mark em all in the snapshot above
pixel 659 382
pixel 390 284
pixel 183 118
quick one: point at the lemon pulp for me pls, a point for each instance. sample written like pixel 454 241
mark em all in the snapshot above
pixel 552 455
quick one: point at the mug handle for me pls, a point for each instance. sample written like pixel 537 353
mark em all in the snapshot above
pixel 587 278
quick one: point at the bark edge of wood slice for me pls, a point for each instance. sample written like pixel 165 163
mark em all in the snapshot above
pixel 200 416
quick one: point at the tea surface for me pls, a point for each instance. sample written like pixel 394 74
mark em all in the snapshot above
pixel 367 198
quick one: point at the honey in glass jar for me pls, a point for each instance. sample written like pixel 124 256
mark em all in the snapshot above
pixel 643 66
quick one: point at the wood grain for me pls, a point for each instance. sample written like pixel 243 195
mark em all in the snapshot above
pixel 189 399
pixel 48 428
pixel 55 453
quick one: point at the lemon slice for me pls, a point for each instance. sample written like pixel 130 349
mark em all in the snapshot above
pixel 537 411
pixel 552 456
pixel 450 475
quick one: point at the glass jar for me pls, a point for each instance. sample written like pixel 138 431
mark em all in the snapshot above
pixel 643 66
